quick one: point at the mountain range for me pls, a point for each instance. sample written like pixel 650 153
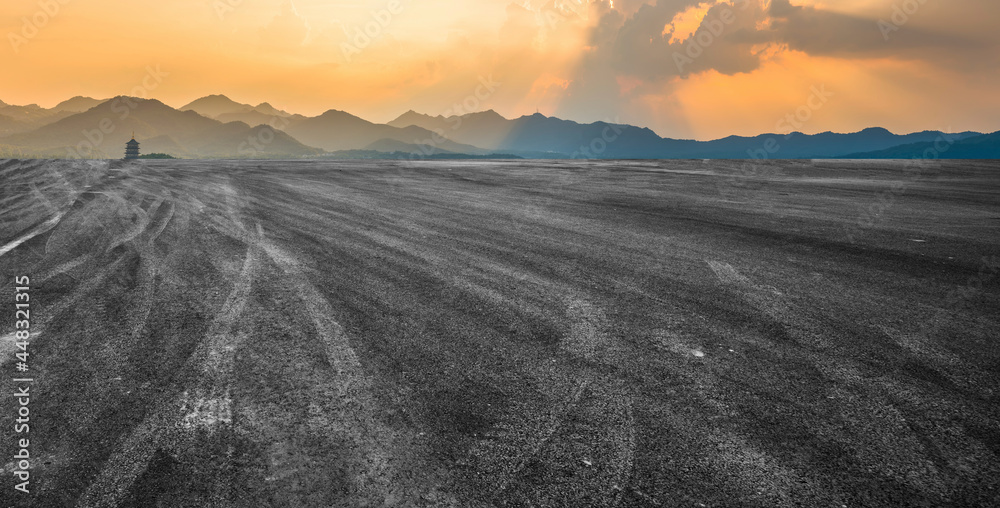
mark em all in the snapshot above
pixel 216 126
pixel 102 131
pixel 14 119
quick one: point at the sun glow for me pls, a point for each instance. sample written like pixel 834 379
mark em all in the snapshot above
pixel 686 23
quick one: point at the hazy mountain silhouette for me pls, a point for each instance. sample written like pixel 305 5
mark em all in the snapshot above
pixel 160 128
pixel 255 117
pixel 31 116
pixel 15 119
pixel 535 133
pixel 337 130
pixel 217 126
pixel 212 106
pixel 986 146
pixel 539 133
pixel 249 142
pixel 9 125
pixel 78 104
pixel 268 109
pixel 797 145
pixel 226 110
pixel 486 129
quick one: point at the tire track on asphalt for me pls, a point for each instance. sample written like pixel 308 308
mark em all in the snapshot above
pixel 590 431
pixel 158 230
pixel 597 408
pixel 351 413
pixel 136 318
pixel 606 416
pixel 517 441
pixel 149 267
pixel 740 466
pixel 203 406
pixel 588 337
pixel 371 459
pixel 93 282
pixel 728 455
pixel 731 277
pixel 550 425
pixel 769 302
pixel 144 290
pixel 10 165
pixel 138 227
pixel 337 345
pixel 8 343
pixel 62 268
pixel 42 228
pixel 146 266
pixel 623 443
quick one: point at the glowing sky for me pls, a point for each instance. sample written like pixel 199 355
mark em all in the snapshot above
pixel 576 59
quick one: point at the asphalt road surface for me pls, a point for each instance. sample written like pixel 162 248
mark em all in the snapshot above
pixel 501 333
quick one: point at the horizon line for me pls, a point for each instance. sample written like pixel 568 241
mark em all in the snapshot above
pixel 411 110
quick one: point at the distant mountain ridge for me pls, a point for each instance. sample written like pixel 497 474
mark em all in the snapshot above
pixel 14 119
pixel 217 126
pixel 337 130
pixel 212 106
pixel 986 146
pixel 78 104
pixel 606 140
pixel 224 109
pixel 486 129
pixel 103 130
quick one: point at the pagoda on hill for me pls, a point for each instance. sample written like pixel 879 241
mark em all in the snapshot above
pixel 132 149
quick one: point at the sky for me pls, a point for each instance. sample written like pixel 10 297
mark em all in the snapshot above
pixel 683 68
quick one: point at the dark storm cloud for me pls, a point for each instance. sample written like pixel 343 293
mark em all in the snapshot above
pixel 723 42
pixel 733 34
pixel 819 32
